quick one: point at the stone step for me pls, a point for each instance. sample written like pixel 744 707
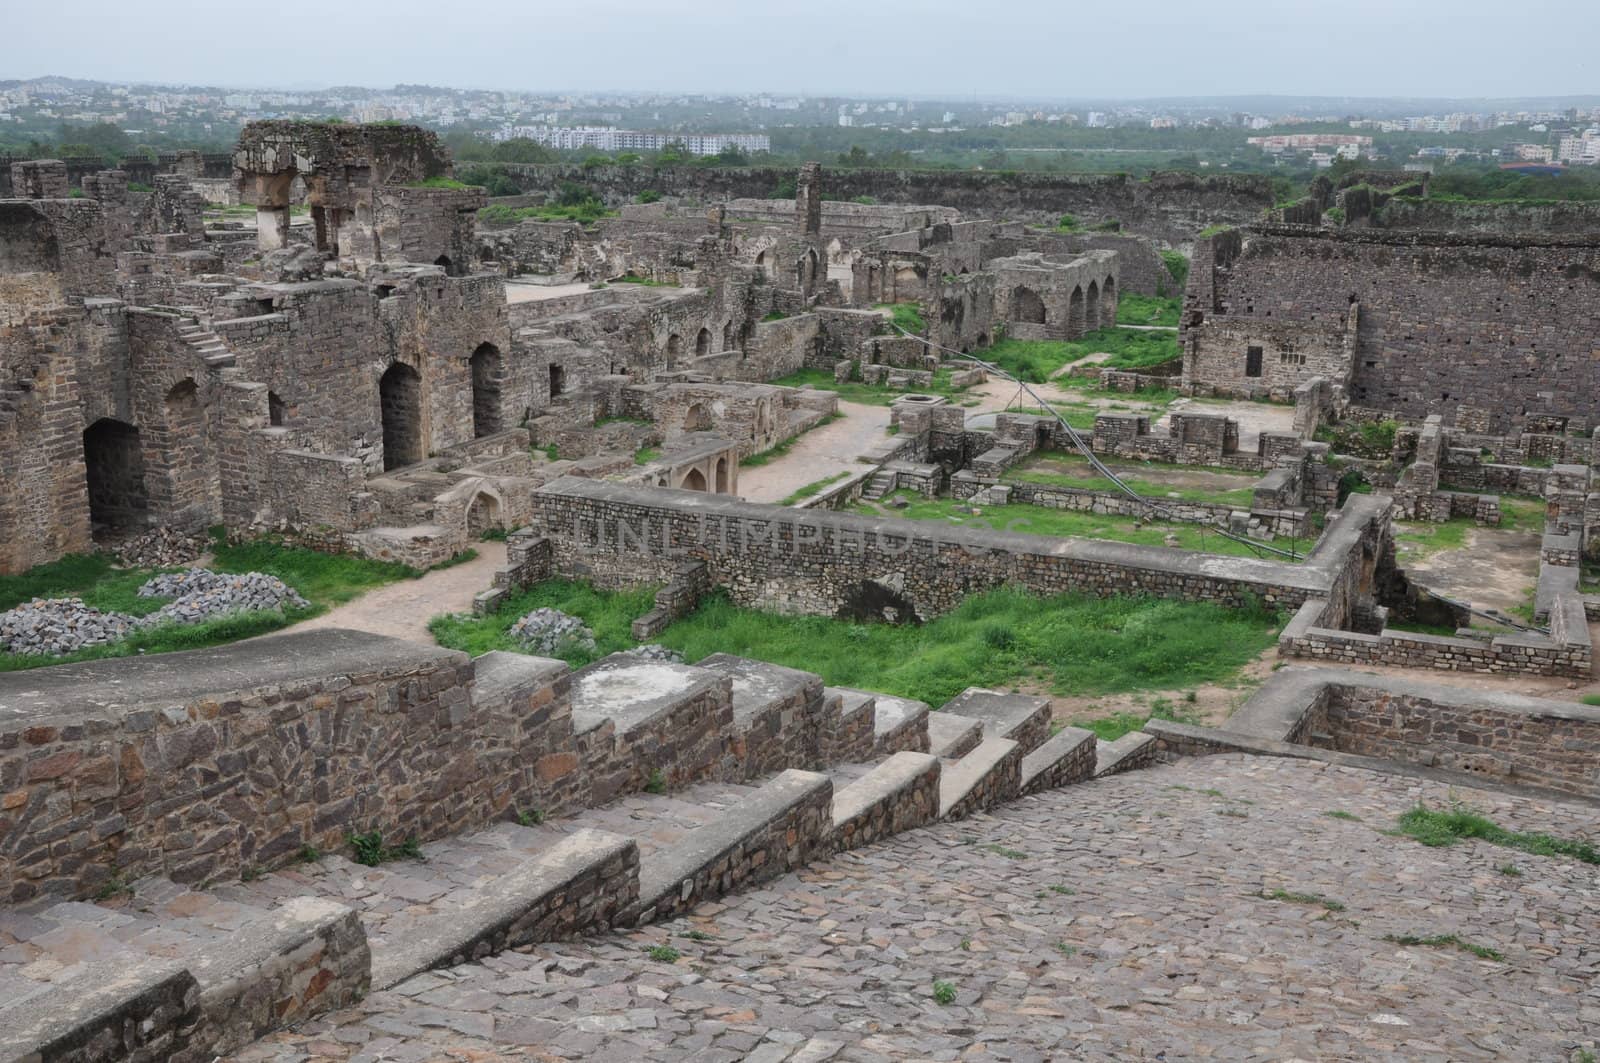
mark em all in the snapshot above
pixel 786 824
pixel 896 795
pixel 1133 750
pixel 1068 757
pixel 249 970
pixel 951 736
pixel 777 714
pixel 899 724
pixel 987 776
pixel 1023 718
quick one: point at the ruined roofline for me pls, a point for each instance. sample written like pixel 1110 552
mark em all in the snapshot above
pixel 1418 237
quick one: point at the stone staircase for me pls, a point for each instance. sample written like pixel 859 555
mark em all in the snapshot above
pixel 881 485
pixel 699 780
pixel 207 344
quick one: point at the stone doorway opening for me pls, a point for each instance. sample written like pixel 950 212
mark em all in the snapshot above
pixel 400 398
pixel 113 458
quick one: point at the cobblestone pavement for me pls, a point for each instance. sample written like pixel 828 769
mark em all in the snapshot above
pixel 1131 918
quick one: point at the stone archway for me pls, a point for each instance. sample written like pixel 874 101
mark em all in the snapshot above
pixel 697 418
pixel 722 476
pixel 113 458
pixel 674 349
pixel 702 343
pixel 694 480
pixel 400 406
pixel 1108 302
pixel 483 513
pixel 488 369
pixel 1091 307
pixel 1026 306
pixel 1075 314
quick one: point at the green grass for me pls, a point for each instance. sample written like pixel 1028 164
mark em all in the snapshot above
pixel 1178 266
pixel 905 315
pixel 1313 899
pixel 1446 941
pixel 944 992
pixel 1035 360
pixel 868 394
pixel 645 455
pixel 587 211
pixel 1110 728
pixel 813 488
pixel 440 182
pixel 663 953
pixel 1590 699
pixel 1029 473
pixel 1423 539
pixel 370 850
pixel 322 579
pixel 1040 520
pixel 1066 643
pixel 1136 309
pixel 1447 827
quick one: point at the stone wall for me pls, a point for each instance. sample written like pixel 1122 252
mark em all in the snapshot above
pixel 1417 323
pixel 811 561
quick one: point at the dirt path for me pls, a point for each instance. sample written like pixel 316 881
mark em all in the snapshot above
pixel 1493 569
pixel 820 453
pixel 402 610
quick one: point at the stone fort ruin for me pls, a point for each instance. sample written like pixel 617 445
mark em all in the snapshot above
pixel 353 360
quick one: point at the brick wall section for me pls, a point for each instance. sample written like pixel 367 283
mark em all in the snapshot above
pixel 816 562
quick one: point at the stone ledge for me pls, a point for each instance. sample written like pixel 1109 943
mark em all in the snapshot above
pixel 112 1011
pixel 983 778
pixel 581 883
pixel 1067 758
pixel 1133 750
pixel 897 795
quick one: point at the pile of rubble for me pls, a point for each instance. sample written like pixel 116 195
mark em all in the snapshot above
pixel 545 631
pixel 57 626
pixel 654 651
pixel 200 594
pixel 161 548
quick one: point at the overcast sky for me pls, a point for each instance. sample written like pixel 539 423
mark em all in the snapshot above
pixel 955 48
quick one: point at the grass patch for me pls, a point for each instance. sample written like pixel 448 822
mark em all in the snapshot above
pixel 1110 728
pixel 1338 814
pixel 663 953
pixel 1446 941
pixel 1590 699
pixel 1315 900
pixel 1136 309
pixel 440 182
pixel 322 579
pixel 1440 828
pixel 645 455
pixel 1067 643
pixel 1035 360
pixel 813 488
pixel 370 850
pixel 1040 520
pixel 1031 472
pixel 944 992
pixel 868 394
pixel 586 212
pixel 905 315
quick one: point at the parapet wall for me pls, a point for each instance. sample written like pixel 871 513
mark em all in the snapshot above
pixel 826 563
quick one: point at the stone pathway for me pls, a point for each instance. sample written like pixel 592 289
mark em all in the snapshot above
pixel 822 452
pixel 403 609
pixel 1125 919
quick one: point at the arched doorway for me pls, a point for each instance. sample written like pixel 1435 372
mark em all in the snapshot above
pixel 277 412
pixel 113 459
pixel 727 335
pixel 702 343
pixel 698 419
pixel 487 372
pixel 1075 314
pixel 722 476
pixel 1091 307
pixel 482 514
pixel 1108 303
pixel 694 481
pixel 1027 307
pixel 400 402
pixel 761 264
pixel 674 349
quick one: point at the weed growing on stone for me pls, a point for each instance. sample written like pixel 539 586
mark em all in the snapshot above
pixel 663 953
pixel 656 784
pixel 966 944
pixel 1442 941
pixel 1442 828
pixel 696 935
pixel 308 854
pixel 369 849
pixel 531 817
pixel 250 873
pixel 944 992
pixel 1337 814
pixel 115 886
pixel 1291 897
pixel 1511 870
pixel 1068 890
pixel 1009 854
pixel 1065 949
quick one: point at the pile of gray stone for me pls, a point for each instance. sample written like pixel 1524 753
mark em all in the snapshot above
pixel 654 651
pixel 200 594
pixel 162 548
pixel 547 631
pixel 56 626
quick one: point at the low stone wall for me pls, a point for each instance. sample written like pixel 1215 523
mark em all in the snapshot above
pixel 843 564
pixel 1566 651
pixel 899 794
pixel 1462 731
pixel 1068 757
pixel 989 775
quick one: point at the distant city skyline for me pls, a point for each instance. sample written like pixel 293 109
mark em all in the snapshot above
pixel 1365 49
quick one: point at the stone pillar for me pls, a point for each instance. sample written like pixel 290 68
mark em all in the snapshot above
pixel 39 179
pixel 808 203
pixel 272 227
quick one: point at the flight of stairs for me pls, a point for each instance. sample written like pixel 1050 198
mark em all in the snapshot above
pixel 207 344
pixel 881 484
pixel 769 770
